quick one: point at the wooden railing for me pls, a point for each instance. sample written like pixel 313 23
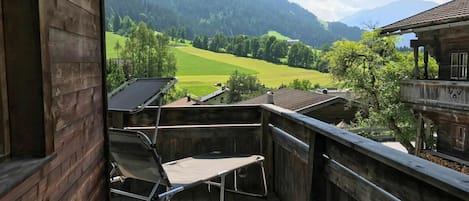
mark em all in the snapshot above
pixel 305 159
pixel 436 93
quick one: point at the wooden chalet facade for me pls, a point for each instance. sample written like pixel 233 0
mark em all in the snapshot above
pixel 442 102
pixel 52 110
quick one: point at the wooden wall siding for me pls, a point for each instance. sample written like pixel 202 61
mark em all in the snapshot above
pixel 71 63
pixel 446 41
pixel 436 94
pixel 446 142
pixel 335 113
pixel 196 115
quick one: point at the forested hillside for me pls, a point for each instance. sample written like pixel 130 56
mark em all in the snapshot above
pixel 249 17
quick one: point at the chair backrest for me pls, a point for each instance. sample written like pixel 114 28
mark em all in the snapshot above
pixel 135 157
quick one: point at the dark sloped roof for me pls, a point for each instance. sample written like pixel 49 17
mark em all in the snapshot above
pixel 453 11
pixel 292 99
pixel 182 102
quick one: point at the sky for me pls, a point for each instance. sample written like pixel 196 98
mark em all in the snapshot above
pixel 334 10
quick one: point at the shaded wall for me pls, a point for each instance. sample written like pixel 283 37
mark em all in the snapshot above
pixel 70 40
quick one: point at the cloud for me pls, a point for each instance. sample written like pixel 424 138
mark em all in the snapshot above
pixel 334 10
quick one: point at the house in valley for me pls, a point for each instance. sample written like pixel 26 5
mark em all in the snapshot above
pixel 324 107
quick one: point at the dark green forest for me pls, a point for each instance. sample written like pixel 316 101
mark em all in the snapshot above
pixel 232 18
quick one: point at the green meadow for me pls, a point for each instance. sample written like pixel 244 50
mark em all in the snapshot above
pixel 111 40
pixel 272 75
pixel 199 70
pixel 278 35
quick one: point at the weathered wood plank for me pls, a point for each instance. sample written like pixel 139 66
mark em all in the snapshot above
pixel 70 17
pixel 66 47
pixel 197 115
pixel 290 143
pixel 316 166
pixel 355 185
pixel 396 182
pixel 445 183
pixel 91 6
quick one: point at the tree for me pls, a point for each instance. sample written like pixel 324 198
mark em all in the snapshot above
pixel 218 42
pixel 279 50
pixel 125 26
pixel 148 54
pixel 115 75
pixel 304 85
pixel 200 42
pixel 240 46
pixel 242 86
pixel 254 47
pixel 300 55
pixel 372 68
pixel 268 49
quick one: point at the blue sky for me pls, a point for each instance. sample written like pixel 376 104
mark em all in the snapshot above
pixel 333 10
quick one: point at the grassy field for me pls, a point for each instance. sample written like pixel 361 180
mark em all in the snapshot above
pixel 199 70
pixel 189 64
pixel 278 35
pixel 272 75
pixel 111 40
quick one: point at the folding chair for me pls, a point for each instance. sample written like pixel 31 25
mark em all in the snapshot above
pixel 136 158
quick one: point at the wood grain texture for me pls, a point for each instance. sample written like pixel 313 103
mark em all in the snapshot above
pixel 69 48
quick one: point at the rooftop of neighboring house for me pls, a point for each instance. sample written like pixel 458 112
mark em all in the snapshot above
pixel 186 101
pixel 213 94
pixel 456 11
pixel 292 99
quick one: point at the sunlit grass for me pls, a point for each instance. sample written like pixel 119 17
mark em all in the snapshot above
pixel 111 40
pixel 278 35
pixel 272 75
pixel 189 64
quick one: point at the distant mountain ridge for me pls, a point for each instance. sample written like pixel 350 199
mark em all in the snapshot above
pixel 389 13
pixel 249 17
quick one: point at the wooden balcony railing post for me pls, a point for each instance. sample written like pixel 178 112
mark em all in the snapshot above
pixel 267 148
pixel 317 147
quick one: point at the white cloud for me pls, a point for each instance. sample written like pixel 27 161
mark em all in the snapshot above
pixel 333 10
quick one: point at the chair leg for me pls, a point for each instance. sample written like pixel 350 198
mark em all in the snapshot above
pixel 264 179
pixel 222 188
pixel 153 191
pixel 235 180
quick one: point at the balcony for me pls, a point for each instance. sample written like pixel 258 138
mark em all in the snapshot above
pixel 305 159
pixel 436 95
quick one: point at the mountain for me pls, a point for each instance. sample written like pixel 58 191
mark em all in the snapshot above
pixel 388 14
pixel 249 17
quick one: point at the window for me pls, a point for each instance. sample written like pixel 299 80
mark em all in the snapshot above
pixel 22 122
pixel 460 138
pixel 459 66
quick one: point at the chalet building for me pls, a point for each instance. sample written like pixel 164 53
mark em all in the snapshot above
pixel 442 102
pixel 53 104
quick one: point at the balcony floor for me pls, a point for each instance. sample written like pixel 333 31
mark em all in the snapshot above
pixel 200 193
